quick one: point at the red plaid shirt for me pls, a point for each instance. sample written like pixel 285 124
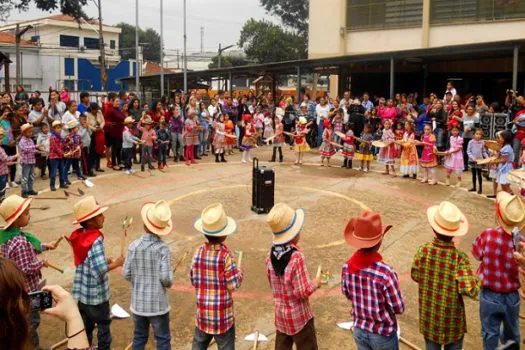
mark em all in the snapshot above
pixel 215 276
pixel 290 294
pixel 498 270
pixel 376 297
pixel 23 254
pixel 56 147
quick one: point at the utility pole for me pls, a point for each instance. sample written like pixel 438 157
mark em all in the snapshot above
pixel 221 50
pixel 103 74
pixel 18 37
pixel 161 47
pixel 185 62
pixel 202 39
pixel 178 58
pixel 137 60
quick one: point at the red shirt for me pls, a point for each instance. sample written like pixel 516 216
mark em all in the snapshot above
pixel 498 270
pixel 520 134
pixel 56 147
pixel 115 122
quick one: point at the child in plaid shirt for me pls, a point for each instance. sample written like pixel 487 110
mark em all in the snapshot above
pixel 148 268
pixel 22 247
pixel 27 159
pixel 90 284
pixel 73 150
pixel 215 276
pixel 4 170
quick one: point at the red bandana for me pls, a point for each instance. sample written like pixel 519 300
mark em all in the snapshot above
pixel 360 260
pixel 81 241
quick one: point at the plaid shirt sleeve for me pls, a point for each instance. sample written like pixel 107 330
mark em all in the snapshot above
pixel 393 295
pixel 416 263
pixel 126 269
pixel 166 273
pixel 232 273
pixel 302 286
pixel 98 263
pixel 478 246
pixel 24 259
pixel 468 282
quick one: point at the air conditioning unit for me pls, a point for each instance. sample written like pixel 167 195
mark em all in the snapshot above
pixel 82 48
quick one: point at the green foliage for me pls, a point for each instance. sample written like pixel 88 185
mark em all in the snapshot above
pixel 228 61
pixel 266 42
pixel 149 38
pixel 67 7
pixel 293 13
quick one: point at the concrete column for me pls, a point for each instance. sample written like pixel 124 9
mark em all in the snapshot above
pixel 298 84
pixel 391 77
pixel 425 28
pixel 230 85
pixel 515 68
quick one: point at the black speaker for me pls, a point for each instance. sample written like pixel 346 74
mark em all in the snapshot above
pixel 491 123
pixel 263 187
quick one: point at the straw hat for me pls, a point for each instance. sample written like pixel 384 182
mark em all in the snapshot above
pixel 157 217
pixel 214 222
pixel 285 222
pixel 73 123
pixel 26 127
pixel 447 220
pixel 302 120
pixel 366 230
pixel 128 120
pixel 510 212
pixel 87 208
pixel 56 123
pixel 12 207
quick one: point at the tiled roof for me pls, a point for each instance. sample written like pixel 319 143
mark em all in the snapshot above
pixel 152 68
pixel 8 38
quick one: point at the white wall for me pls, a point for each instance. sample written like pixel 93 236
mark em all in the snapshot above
pixel 323 28
pixel 383 40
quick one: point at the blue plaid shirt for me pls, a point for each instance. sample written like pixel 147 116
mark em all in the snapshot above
pixel 91 284
pixel 148 267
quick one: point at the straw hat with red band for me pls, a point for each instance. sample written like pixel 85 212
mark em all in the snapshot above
pixel 447 220
pixel 214 222
pixel 25 127
pixel 285 222
pixel 12 207
pixel 157 217
pixel 510 212
pixel 87 208
pixel 366 230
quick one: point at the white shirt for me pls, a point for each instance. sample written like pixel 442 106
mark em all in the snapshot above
pixel 67 117
pixel 452 91
pixel 212 110
pixel 322 112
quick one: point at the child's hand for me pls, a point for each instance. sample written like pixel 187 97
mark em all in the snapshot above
pixel 53 245
pixel 318 282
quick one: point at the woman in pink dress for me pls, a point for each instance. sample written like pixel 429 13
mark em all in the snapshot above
pixel 387 155
pixel 428 159
pixel 454 156
pixel 388 113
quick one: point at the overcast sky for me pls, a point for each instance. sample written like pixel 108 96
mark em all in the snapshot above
pixel 222 20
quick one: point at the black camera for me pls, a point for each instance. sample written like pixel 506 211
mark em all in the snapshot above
pixel 40 300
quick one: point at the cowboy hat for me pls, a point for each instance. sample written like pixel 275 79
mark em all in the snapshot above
pixel 128 120
pixel 157 217
pixel 366 230
pixel 72 124
pixel 87 208
pixel 285 222
pixel 26 127
pixel 12 207
pixel 510 212
pixel 447 220
pixel 214 222
pixel 302 120
pixel 56 123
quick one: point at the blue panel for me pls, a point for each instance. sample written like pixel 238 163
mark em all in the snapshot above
pixel 69 84
pixel 88 76
pixel 69 66
pixel 121 70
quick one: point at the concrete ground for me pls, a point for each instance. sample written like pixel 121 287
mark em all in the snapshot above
pixel 330 197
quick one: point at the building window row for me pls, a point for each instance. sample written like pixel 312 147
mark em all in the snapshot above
pixel 379 14
pixel 89 43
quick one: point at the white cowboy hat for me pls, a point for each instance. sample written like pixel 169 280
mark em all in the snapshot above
pixel 12 207
pixel 302 120
pixel 56 123
pixel 87 208
pixel 510 212
pixel 157 217
pixel 285 223
pixel 447 220
pixel 25 127
pixel 214 222
pixel 128 120
pixel 73 123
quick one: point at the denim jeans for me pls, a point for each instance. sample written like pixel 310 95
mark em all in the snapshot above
pixel 161 153
pixel 224 341
pixel 3 188
pixel 371 341
pixel 161 329
pixel 496 309
pixel 76 166
pixel 176 144
pixel 430 345
pixel 440 138
pixel 57 165
pixel 127 155
pixel 28 175
pixel 516 146
pixel 320 130
pixel 99 315
pixel 146 150
pixel 203 140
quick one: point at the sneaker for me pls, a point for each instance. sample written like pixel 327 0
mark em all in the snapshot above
pixel 32 193
pixel 7 185
pixel 82 177
pixel 131 171
pixel 366 170
pixel 14 185
pixel 64 186
pixel 360 169
pixel 127 172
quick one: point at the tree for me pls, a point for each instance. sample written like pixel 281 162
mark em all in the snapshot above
pixel 265 42
pixel 228 61
pixel 149 38
pixel 293 13
pixel 67 7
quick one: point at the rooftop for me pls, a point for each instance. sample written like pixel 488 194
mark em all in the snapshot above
pixel 8 38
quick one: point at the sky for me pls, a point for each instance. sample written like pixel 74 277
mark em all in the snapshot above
pixel 222 20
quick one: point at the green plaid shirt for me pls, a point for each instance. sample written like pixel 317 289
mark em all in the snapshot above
pixel 444 274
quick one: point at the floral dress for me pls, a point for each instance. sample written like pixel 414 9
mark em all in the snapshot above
pixel 300 139
pixel 364 152
pixel 191 135
pixel 387 155
pixel 248 141
pixel 268 128
pixel 348 145
pixel 279 138
pixel 455 160
pixel 219 141
pixel 408 160
pixel 327 149
pixel 428 156
pixel 399 134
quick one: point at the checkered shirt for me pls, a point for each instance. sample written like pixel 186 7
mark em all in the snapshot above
pixel 91 285
pixel 148 267
pixel 290 294
pixel 4 159
pixel 23 254
pixel 376 297
pixel 56 147
pixel 498 270
pixel 73 143
pixel 444 275
pixel 215 275
pixel 27 150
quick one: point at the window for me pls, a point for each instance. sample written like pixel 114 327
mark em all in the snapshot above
pixel 69 41
pixel 376 14
pixel 442 11
pixel 112 44
pixel 91 43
